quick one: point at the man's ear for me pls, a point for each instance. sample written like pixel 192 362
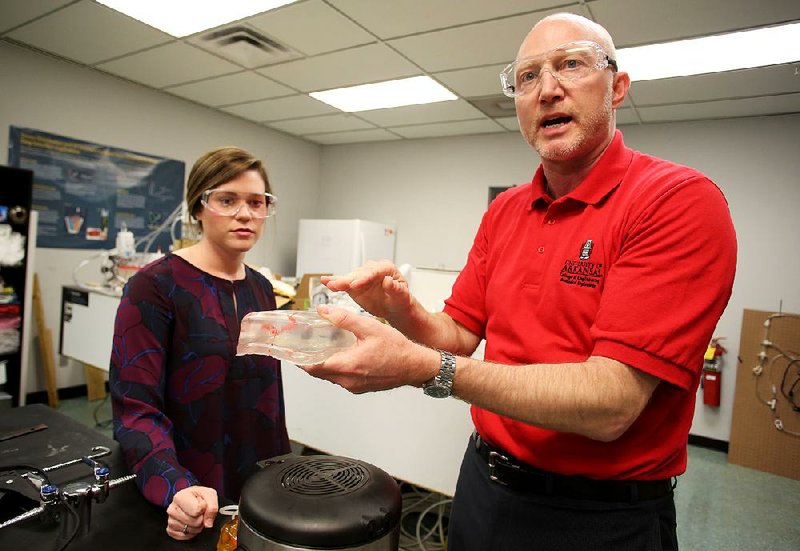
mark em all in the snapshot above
pixel 620 85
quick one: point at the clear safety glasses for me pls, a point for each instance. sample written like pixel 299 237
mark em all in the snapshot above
pixel 568 62
pixel 229 203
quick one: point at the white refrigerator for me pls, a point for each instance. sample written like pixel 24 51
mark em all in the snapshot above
pixel 339 246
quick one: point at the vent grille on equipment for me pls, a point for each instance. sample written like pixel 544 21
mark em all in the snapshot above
pixel 324 477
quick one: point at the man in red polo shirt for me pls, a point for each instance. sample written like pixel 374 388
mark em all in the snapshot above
pixel 595 290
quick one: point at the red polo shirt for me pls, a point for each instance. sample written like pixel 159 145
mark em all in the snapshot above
pixel 635 264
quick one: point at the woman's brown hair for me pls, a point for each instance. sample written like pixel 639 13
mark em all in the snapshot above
pixel 217 167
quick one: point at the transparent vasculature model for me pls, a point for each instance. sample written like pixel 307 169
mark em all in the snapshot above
pixel 300 337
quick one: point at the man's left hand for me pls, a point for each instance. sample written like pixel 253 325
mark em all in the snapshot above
pixel 382 357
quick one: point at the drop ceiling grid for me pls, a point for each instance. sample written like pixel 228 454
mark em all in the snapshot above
pixel 290 107
pixel 722 109
pixel 173 63
pixel 458 128
pixel 363 64
pixel 312 28
pixel 468 46
pixel 421 114
pixel 461 43
pixel 89 33
pixel 18 12
pixel 635 22
pixel 410 17
pixel 356 136
pixel 761 81
pixel 228 90
pixel 473 83
pixel 327 123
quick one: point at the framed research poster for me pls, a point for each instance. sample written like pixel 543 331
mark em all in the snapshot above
pixel 495 191
pixel 85 192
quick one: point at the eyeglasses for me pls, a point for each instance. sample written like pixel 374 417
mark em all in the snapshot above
pixel 229 203
pixel 568 62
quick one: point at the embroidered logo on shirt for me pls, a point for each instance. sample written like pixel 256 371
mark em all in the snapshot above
pixel 581 272
pixel 586 250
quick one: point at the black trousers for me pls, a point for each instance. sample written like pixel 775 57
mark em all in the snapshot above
pixel 487 516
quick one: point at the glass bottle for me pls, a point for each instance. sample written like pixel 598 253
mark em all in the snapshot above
pixel 227 534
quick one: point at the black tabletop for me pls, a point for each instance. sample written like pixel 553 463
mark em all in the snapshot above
pixel 125 521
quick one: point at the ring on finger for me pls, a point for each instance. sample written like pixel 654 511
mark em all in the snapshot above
pixel 185 529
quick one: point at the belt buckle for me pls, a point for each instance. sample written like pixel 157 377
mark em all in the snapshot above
pixel 498 459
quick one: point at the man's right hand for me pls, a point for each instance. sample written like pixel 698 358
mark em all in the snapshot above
pixel 378 287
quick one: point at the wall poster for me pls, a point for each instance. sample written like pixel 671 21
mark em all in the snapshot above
pixel 85 192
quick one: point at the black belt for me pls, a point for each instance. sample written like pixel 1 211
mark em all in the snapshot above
pixel 505 470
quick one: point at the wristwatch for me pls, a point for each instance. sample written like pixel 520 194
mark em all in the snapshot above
pixel 441 386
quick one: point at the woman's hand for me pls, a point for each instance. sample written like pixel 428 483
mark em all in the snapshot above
pixel 191 510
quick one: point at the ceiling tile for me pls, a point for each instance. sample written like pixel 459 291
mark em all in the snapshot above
pixel 355 136
pixel 627 116
pixel 776 79
pixel 475 82
pixel 634 22
pixel 484 126
pixel 395 19
pixel 316 125
pixel 89 33
pixel 373 63
pixel 468 46
pixel 628 101
pixel 420 114
pixel 789 103
pixel 17 12
pixel 167 65
pixel 280 109
pixel 231 89
pixel 510 123
pixel 311 28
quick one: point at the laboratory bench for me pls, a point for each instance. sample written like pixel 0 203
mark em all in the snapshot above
pixel 125 521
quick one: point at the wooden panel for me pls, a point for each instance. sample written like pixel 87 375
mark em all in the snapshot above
pixel 755 440
pixel 45 345
pixel 95 382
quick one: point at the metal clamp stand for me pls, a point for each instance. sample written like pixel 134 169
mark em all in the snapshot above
pixel 75 498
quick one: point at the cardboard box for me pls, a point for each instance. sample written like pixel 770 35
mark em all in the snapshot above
pixel 305 291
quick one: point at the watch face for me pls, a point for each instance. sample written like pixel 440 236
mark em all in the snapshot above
pixel 437 391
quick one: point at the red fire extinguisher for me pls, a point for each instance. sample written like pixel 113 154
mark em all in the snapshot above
pixel 712 372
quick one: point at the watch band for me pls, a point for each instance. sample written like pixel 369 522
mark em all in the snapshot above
pixel 441 386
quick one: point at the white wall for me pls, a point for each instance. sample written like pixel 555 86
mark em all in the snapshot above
pixel 436 190
pixel 41 92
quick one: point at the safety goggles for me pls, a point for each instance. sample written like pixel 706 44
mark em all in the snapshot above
pixel 229 203
pixel 566 63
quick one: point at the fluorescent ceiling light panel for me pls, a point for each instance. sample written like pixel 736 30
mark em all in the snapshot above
pixel 184 17
pixel 384 95
pixel 713 54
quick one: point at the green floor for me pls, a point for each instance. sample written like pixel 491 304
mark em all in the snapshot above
pixel 720 506
pixel 96 414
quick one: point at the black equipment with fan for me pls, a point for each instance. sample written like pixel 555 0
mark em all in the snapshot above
pixel 319 502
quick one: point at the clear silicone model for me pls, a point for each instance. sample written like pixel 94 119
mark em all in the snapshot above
pixel 300 337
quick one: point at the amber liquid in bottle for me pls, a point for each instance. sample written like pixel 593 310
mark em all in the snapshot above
pixel 227 535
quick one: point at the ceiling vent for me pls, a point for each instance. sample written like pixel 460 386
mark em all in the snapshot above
pixel 246 46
